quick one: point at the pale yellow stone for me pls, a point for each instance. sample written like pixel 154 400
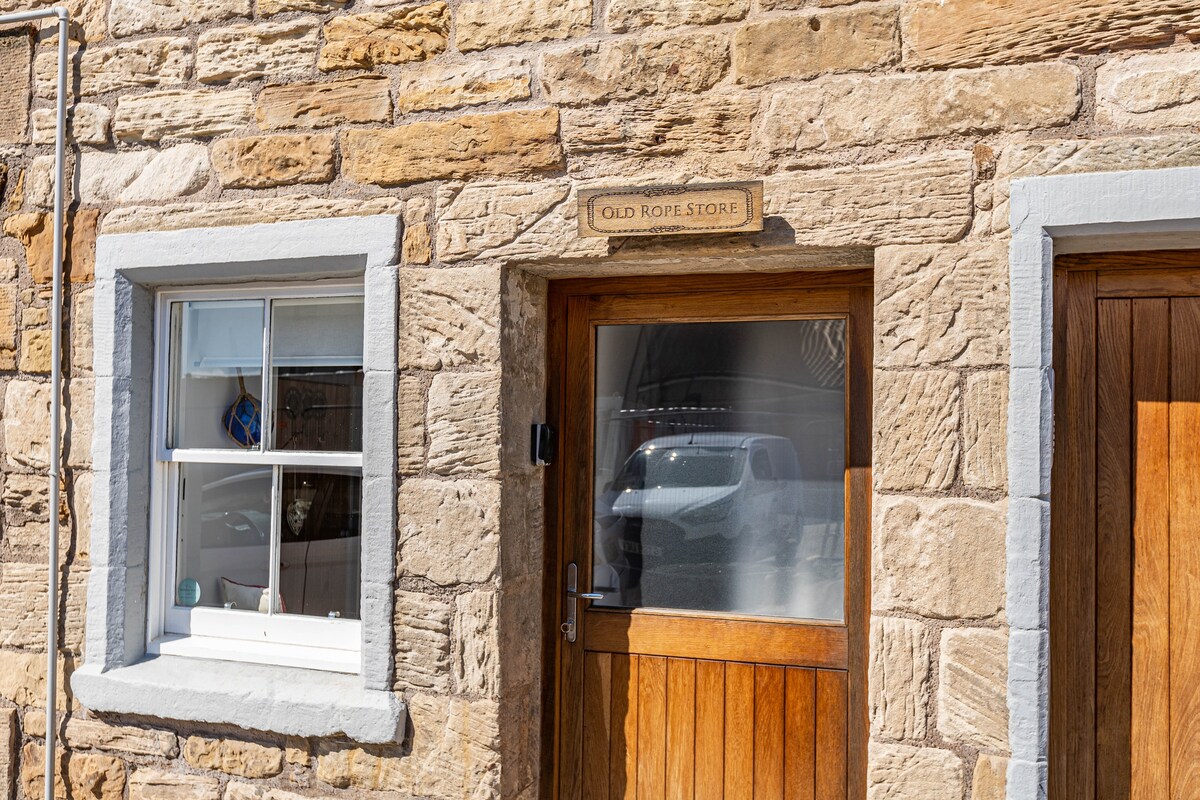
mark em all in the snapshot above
pixel 249 211
pixel 477 653
pixel 261 161
pixel 363 41
pixel 87 123
pixel 422 641
pixel 917 418
pixel 89 775
pixel 16 53
pixel 990 778
pixel 488 23
pixel 236 790
pixel 410 443
pixel 360 99
pixel 247 759
pixel 805 45
pixel 972 687
pixel 417 246
pixel 901 772
pixel 194 113
pixel 87 16
pixel 84 734
pixel 442 86
pixel 156 63
pixel 623 15
pixel 27 424
pixel 245 52
pixel 464 423
pixel 10 736
pixel 985 430
pixel 1149 91
pixel 148 783
pixel 81 329
pixel 449 318
pixel 23 678
pixel 509 142
pixel 128 17
pixel 296 751
pixel 955 546
pixel 267 8
pixel 33 317
pixel 8 316
pixel 26 497
pixel 899 678
pixel 23 614
pixel 430 508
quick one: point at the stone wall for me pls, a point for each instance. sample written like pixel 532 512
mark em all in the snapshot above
pixel 887 133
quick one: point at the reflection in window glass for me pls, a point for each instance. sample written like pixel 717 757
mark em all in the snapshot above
pixel 719 460
pixel 321 519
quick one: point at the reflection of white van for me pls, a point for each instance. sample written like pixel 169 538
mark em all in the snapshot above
pixel 713 484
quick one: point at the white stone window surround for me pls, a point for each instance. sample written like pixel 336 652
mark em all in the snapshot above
pixel 1097 212
pixel 118 675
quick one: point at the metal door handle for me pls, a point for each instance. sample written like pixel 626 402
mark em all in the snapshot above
pixel 586 595
pixel 570 628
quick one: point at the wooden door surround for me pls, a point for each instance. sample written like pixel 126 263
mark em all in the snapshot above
pixel 654 704
pixel 1125 528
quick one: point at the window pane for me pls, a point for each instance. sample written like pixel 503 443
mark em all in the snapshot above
pixel 317 367
pixel 319 542
pixel 224 537
pixel 216 383
pixel 719 458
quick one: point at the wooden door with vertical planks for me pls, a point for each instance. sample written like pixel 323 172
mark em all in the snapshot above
pixel 711 507
pixel 1125 530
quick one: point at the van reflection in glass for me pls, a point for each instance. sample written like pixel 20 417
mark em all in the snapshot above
pixel 719 467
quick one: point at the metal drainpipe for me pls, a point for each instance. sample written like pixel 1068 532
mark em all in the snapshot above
pixel 60 147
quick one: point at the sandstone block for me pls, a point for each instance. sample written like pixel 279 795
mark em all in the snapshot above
pixel 990 779
pixel 145 63
pixel 963 33
pixel 907 201
pixel 1149 91
pixel 899 678
pixel 87 16
pixel 86 734
pixel 509 142
pixel 417 246
pixel 143 175
pixel 296 750
pixel 89 775
pixel 411 434
pixel 129 17
pixel 23 617
pixel 422 641
pixel 10 733
pixel 147 783
pixel 430 508
pixel 27 424
pixel 363 41
pixel 247 52
pixel 956 546
pixel 985 430
pixel 624 15
pixel 249 211
pixel 87 123
pixel 247 759
pixel 489 23
pixel 361 99
pixel 844 111
pixel 464 423
pixel 195 113
pixel 477 643
pixel 260 161
pixel 917 417
pixel 267 8
pixel 16 54
pixel 236 790
pixel 26 498
pixel 8 315
pixel 710 124
pixel 806 45
pixel 621 69
pixel 449 318
pixel 81 330
pixel 972 687
pixel 941 305
pixel 35 352
pixel 436 87
pixel 23 679
pixel 35 317
pixel 900 772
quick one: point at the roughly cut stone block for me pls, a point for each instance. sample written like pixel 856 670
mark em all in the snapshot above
pixel 246 52
pixel 624 15
pixel 621 69
pixel 985 430
pixel 845 111
pixel 436 86
pixel 85 734
pixel 464 423
pixel 261 161
pixel 417 247
pixel 430 510
pixel 249 211
pixel 907 201
pixel 900 772
pixel 422 641
pixel 129 17
pixel 23 615
pixel 899 678
pixel 87 123
pixel 1149 91
pixel 476 144
pixel 804 46
pixel 715 124
pixel 364 41
pixel 247 759
pixel 965 33
pixel 10 736
pixel 87 16
pixel 146 63
pixel 495 22
pixel 35 352
pixel 955 546
pixel 16 55
pixel 941 305
pixel 917 417
pixel 147 783
pixel 361 99
pixel 8 316
pixel 410 442
pixel 449 318
pixel 143 175
pixel 477 649
pixel 81 331
pixel 990 779
pixel 197 113
pixel 27 424
pixel 267 8
pixel 973 686
pixel 89 775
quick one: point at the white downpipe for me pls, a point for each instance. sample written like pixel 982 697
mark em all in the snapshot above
pixel 60 148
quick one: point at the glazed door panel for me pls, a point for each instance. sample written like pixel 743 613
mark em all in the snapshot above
pixel 712 502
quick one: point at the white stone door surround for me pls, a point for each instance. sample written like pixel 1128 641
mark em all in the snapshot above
pixel 1098 212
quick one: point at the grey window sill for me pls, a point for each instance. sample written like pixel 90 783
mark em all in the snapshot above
pixel 287 700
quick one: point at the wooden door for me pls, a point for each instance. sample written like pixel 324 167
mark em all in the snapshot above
pixel 713 484
pixel 1125 538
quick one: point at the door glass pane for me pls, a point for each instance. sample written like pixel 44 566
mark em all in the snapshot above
pixel 319 542
pixel 317 367
pixel 719 460
pixel 216 374
pixel 224 537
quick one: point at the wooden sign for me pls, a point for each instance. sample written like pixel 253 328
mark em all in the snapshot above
pixel 660 210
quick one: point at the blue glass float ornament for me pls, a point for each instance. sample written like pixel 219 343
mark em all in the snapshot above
pixel 243 419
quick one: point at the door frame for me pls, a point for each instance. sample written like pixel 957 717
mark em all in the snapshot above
pixel 860 340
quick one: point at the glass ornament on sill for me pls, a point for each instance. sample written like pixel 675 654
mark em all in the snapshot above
pixel 243 419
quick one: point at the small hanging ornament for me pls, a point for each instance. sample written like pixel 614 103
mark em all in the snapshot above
pixel 243 420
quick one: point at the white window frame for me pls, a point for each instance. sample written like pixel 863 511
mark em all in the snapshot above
pixel 226 634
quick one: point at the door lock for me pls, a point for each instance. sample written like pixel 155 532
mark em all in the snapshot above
pixel 570 628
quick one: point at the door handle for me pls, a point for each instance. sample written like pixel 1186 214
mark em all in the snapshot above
pixel 570 628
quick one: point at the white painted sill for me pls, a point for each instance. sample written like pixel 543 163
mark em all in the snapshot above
pixel 262 697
